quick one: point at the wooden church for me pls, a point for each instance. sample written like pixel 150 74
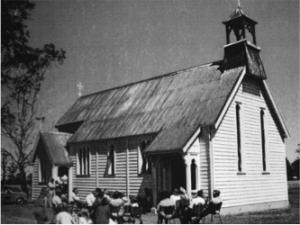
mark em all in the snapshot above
pixel 214 126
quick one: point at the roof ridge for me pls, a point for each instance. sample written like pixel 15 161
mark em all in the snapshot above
pixel 151 78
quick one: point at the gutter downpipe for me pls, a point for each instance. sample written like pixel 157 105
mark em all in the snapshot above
pixel 211 157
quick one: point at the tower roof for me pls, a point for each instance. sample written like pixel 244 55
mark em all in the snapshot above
pixel 239 12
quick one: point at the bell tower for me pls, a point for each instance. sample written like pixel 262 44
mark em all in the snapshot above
pixel 241 51
pixel 241 25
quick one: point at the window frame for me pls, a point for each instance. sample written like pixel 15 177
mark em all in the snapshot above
pixel 43 171
pixel 143 170
pixel 239 120
pixel 113 167
pixel 264 141
pixel 83 169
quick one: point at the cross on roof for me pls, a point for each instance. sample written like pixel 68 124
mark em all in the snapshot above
pixel 239 3
pixel 80 88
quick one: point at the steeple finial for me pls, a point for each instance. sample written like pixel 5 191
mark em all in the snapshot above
pixel 239 3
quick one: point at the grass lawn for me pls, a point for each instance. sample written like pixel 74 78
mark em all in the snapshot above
pixel 24 214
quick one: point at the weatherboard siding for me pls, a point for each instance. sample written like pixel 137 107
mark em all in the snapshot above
pixel 252 187
pixel 36 186
pixel 98 174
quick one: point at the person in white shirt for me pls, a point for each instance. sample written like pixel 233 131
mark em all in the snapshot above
pixel 91 198
pixel 63 217
pixel 175 196
pixel 197 200
pixel 56 200
pixel 165 202
pixel 74 196
pixel 64 179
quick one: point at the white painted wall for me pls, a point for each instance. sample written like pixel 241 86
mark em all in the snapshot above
pixel 253 187
pixel 137 183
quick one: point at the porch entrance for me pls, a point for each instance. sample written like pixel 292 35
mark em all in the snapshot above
pixel 178 175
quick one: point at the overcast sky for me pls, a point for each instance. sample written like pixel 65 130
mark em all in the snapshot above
pixel 111 43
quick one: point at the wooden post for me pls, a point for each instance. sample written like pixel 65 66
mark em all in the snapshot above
pixel 154 162
pixel 187 162
pixel 198 178
pixel 70 182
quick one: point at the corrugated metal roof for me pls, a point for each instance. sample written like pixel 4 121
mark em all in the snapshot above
pixel 187 98
pixel 55 144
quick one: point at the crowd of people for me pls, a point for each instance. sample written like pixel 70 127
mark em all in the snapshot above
pixel 183 205
pixel 104 207
pixel 100 206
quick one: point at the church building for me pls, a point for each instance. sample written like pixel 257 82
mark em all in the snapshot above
pixel 213 126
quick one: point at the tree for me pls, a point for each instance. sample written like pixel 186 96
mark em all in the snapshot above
pixel 289 170
pixel 22 71
pixel 4 165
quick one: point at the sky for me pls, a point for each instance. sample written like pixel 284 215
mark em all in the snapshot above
pixel 112 43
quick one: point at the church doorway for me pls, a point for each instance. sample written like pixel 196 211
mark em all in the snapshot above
pixel 178 172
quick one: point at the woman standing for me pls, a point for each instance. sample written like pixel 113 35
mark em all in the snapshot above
pixel 51 187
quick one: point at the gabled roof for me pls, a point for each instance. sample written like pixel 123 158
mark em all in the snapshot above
pixel 55 145
pixel 182 99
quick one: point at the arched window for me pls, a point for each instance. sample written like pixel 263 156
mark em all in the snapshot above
pixel 83 161
pixel 111 160
pixel 193 174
